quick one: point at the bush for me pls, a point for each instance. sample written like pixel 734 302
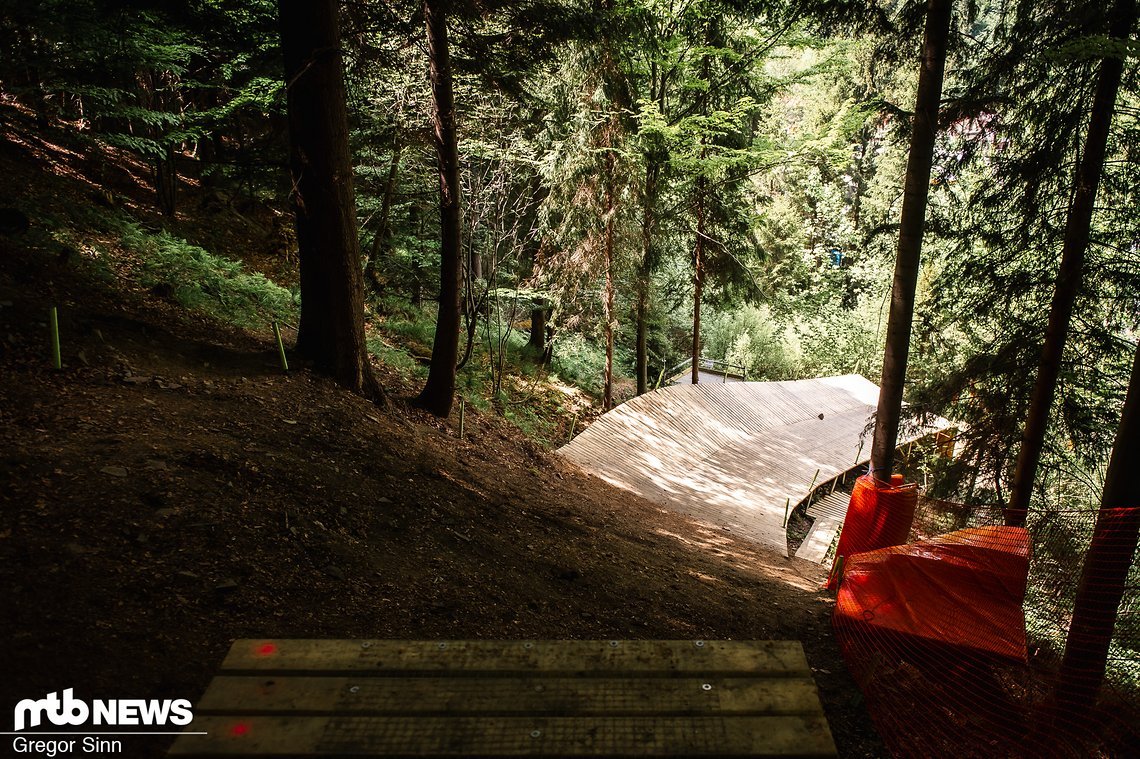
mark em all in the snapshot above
pixel 581 362
pixel 200 280
pixel 748 336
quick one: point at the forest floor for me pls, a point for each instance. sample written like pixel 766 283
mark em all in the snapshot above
pixel 171 489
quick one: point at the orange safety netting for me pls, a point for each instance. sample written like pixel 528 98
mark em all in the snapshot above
pixel 879 515
pixel 954 658
pixel 962 590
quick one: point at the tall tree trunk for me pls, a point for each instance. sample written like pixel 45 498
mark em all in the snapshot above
pixel 642 317
pixel 1076 241
pixel 383 226
pixel 608 392
pixel 911 227
pixel 1107 562
pixel 537 340
pixel 645 271
pixel 166 181
pixel 474 264
pixel 698 279
pixel 532 250
pixel 331 332
pixel 439 391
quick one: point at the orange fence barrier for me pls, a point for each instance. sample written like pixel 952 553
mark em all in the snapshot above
pixel 956 639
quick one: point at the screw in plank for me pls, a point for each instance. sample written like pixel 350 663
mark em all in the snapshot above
pixel 535 733
pixel 366 644
pixel 528 645
pixel 354 689
pixel 442 646
pixel 706 686
pixel 699 643
pixel 613 644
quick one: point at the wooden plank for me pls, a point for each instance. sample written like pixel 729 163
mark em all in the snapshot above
pixel 786 736
pixel 507 696
pixel 818 540
pixel 832 506
pixel 674 658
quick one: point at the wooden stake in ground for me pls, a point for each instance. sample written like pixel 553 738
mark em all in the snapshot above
pixel 56 360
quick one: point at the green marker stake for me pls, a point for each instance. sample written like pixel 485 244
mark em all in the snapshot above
pixel 56 360
pixel 280 348
pixel 815 477
pixel 573 424
pixel 787 504
pixel 461 405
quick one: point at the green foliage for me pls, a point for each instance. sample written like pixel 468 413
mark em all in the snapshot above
pixel 581 361
pixel 840 341
pixel 396 358
pixel 413 327
pixel 206 282
pixel 749 337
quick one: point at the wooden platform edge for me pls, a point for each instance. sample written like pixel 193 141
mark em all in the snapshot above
pixel 775 736
pixel 459 658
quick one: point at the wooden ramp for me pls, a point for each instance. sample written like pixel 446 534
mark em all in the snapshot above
pixel 818 540
pixel 569 698
pixel 828 514
pixel 832 506
pixel 732 454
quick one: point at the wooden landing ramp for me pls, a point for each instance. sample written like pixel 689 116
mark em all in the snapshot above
pixel 732 454
pixel 386 698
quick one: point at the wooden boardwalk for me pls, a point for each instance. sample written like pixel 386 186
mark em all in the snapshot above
pixel 553 698
pixel 732 454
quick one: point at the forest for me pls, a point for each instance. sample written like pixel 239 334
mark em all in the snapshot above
pixel 492 223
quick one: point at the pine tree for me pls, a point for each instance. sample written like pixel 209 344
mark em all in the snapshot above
pixel 331 330
pixel 1076 241
pixel 911 229
pixel 1104 575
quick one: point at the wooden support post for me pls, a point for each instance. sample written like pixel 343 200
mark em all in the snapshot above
pixel 815 477
pixel 787 505
pixel 573 424
pixel 858 453
pixel 56 360
pixel 280 348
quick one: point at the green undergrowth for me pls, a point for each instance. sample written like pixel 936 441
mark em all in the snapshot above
pixel 107 240
pixel 528 395
pixel 206 282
